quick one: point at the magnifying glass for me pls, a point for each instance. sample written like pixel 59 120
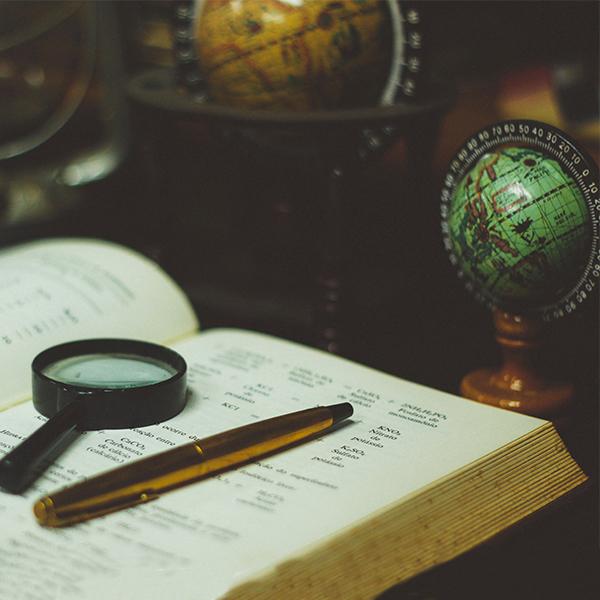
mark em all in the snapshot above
pixel 94 384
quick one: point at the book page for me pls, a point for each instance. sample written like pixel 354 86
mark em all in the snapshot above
pixel 57 291
pixel 203 539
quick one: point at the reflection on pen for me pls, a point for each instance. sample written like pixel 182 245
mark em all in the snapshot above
pixel 146 479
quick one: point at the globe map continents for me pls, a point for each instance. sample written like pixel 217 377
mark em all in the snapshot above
pixel 294 54
pixel 520 228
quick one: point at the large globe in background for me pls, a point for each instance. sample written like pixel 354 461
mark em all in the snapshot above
pixel 520 228
pixel 294 54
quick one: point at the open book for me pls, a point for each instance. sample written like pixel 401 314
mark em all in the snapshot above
pixel 415 478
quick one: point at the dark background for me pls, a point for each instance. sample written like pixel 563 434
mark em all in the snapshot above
pixel 243 229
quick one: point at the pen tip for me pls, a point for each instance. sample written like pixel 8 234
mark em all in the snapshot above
pixel 342 411
pixel 44 512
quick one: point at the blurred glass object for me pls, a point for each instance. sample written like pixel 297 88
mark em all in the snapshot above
pixel 578 95
pixel 150 32
pixel 565 95
pixel 42 83
pixel 62 117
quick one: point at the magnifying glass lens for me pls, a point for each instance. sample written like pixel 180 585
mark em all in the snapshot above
pixel 116 371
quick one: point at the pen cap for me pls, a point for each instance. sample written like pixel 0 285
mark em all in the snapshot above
pixel 111 405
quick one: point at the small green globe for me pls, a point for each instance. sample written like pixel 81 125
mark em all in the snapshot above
pixel 520 228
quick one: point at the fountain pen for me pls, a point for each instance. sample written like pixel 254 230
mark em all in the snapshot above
pixel 148 478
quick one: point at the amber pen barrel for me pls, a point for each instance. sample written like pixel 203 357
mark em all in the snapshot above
pixel 148 478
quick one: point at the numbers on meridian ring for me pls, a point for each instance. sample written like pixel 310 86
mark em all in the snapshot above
pixel 556 145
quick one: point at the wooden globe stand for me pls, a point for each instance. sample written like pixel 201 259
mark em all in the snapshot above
pixel 521 382
pixel 336 143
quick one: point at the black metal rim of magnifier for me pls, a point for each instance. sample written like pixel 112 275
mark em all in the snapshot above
pixel 557 145
pixel 112 408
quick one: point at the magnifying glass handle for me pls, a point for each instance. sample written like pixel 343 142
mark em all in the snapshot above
pixel 25 463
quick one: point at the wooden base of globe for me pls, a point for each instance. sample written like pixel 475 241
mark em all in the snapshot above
pixel 493 386
pixel 521 383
